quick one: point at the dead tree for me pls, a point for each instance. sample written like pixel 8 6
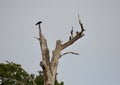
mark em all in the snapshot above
pixel 48 65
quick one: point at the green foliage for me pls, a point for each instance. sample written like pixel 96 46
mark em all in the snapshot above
pixel 57 83
pixel 13 74
pixel 40 80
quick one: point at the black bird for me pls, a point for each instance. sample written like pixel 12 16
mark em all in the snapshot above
pixel 72 33
pixel 38 22
pixel 70 38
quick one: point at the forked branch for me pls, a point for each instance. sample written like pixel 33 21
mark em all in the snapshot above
pixel 50 67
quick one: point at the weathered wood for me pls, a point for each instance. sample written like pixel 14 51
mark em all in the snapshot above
pixel 50 67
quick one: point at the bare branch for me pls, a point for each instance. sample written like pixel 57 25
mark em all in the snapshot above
pixel 81 25
pixel 74 53
pixel 37 38
pixel 75 38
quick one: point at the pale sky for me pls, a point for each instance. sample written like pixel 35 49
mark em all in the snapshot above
pixel 99 59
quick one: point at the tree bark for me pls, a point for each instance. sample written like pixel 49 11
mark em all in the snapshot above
pixel 50 67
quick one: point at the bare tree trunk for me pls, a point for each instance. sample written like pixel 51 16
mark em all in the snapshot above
pixel 50 67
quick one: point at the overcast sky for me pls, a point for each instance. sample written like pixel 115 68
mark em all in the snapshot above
pixel 99 59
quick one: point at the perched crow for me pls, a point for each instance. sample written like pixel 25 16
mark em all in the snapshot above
pixel 70 38
pixel 71 33
pixel 38 22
